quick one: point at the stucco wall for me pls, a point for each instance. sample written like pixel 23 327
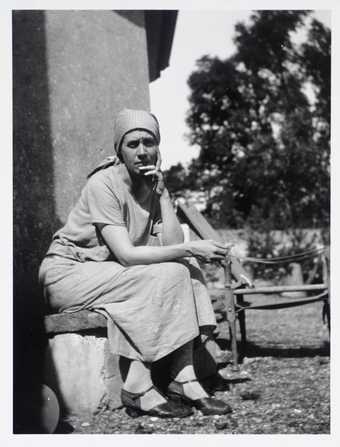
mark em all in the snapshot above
pixel 72 72
pixel 97 64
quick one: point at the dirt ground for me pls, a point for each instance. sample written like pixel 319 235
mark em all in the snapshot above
pixel 287 360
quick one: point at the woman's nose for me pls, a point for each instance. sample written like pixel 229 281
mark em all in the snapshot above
pixel 141 149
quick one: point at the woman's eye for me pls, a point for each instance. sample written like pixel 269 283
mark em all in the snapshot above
pixel 149 143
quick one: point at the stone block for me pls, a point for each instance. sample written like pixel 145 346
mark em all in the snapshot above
pixel 112 378
pixel 83 373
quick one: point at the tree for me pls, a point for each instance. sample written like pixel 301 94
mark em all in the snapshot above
pixel 315 59
pixel 264 148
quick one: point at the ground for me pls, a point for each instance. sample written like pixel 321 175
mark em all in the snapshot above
pixel 287 360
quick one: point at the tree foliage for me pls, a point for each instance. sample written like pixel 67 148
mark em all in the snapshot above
pixel 264 147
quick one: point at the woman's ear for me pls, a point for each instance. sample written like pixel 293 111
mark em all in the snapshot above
pixel 118 153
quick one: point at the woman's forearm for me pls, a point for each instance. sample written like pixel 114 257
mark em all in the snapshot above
pixel 155 254
pixel 118 241
pixel 172 232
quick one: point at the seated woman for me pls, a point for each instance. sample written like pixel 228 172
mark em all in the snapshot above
pixel 121 252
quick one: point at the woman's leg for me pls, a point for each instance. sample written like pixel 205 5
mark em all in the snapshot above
pixel 182 370
pixel 185 385
pixel 137 378
pixel 207 354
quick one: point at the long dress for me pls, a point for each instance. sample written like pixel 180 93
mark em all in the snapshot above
pixel 151 309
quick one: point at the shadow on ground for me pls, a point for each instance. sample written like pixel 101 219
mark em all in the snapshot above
pixel 254 350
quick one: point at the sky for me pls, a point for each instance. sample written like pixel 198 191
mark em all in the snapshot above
pixel 197 33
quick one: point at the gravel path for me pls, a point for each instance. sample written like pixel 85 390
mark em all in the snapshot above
pixel 288 362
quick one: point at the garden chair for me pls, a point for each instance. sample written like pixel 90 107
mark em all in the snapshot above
pixel 234 295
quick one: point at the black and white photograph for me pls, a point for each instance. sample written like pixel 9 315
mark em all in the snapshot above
pixel 171 192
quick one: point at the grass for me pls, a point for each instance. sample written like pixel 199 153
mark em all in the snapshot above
pixel 287 358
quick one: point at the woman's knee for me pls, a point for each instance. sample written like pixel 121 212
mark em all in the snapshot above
pixel 175 270
pixel 194 269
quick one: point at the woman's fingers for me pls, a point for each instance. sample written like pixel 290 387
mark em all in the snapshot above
pixel 209 250
pixel 223 245
pixel 148 169
pixel 156 174
pixel 222 249
pixel 228 245
pixel 159 159
pixel 220 252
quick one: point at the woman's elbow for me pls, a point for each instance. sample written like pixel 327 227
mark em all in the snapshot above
pixel 124 262
pixel 125 258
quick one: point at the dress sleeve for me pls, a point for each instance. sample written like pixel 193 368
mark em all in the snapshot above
pixel 103 203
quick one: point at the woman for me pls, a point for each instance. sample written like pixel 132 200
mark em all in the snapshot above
pixel 122 252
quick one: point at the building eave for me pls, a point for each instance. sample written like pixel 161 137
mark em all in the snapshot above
pixel 160 29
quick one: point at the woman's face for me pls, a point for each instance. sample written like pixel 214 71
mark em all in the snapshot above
pixel 139 148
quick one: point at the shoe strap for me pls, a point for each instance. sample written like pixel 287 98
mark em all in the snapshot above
pixel 135 396
pixel 186 381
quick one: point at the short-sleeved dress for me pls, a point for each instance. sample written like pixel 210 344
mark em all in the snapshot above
pixel 151 309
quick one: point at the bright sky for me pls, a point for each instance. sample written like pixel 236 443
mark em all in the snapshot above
pixel 197 33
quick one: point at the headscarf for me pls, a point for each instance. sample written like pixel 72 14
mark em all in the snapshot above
pixel 129 119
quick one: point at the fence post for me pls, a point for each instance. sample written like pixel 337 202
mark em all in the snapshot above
pixel 326 280
pixel 230 312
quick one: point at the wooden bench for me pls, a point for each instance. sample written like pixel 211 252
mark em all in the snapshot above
pixel 83 320
pixel 80 366
pixel 234 297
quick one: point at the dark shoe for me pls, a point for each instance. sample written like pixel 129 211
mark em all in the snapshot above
pixel 168 409
pixel 207 405
pixel 217 383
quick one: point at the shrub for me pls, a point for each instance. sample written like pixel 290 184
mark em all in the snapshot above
pixel 272 244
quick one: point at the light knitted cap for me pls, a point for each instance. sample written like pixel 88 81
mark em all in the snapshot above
pixel 129 119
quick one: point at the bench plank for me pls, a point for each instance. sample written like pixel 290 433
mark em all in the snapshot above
pixel 73 322
pixel 197 222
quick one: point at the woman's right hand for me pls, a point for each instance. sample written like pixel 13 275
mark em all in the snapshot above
pixel 208 250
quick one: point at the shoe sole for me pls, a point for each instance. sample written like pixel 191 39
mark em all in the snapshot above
pixel 183 399
pixel 136 412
